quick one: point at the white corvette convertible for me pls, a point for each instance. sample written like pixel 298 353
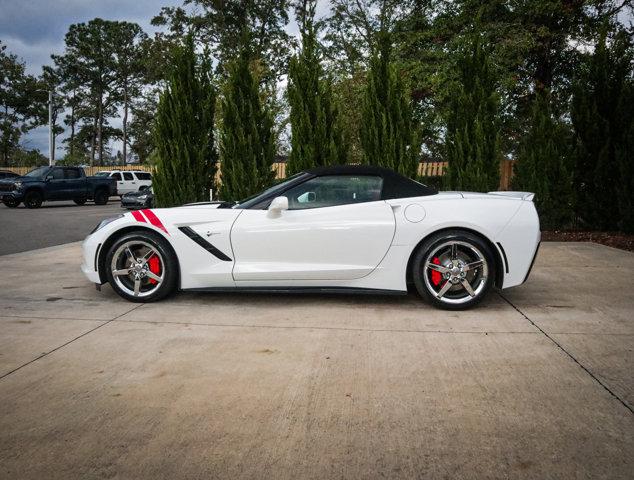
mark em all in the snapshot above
pixel 342 228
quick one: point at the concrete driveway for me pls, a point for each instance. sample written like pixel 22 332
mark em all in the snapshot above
pixel 536 383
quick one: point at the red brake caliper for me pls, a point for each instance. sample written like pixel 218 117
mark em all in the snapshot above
pixel 155 267
pixel 436 277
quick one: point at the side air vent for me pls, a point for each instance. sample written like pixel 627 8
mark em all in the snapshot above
pixel 205 244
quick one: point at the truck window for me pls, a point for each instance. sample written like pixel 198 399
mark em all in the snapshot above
pixel 127 176
pixel 57 174
pixel 143 175
pixel 117 176
pixel 71 173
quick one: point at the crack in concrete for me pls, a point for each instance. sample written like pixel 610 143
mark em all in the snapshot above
pixel 570 355
pixel 316 327
pixel 67 343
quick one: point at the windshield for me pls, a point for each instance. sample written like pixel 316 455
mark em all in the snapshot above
pixel 102 174
pixel 38 172
pixel 255 199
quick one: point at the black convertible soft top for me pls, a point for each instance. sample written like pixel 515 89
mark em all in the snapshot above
pixel 394 184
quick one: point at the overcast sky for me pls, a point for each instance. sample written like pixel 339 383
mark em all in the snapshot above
pixel 35 29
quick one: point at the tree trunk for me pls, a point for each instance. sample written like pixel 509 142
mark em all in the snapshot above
pixel 93 142
pixel 99 129
pixel 72 125
pixel 5 142
pixel 125 125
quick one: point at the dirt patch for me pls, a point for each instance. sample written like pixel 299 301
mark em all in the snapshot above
pixel 623 241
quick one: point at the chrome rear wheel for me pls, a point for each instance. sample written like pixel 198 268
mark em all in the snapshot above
pixel 454 270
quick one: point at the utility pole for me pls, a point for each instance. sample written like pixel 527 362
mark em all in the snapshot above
pixel 51 153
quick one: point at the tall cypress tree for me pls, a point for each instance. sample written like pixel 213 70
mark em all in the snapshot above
pixel 472 140
pixel 184 130
pixel 601 115
pixel 247 143
pixel 542 165
pixel 625 159
pixel 389 132
pixel 316 134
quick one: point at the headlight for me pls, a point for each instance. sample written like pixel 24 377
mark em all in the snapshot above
pixel 142 197
pixel 105 222
pixel 17 185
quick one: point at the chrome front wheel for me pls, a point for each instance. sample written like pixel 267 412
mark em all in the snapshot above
pixel 137 268
pixel 141 267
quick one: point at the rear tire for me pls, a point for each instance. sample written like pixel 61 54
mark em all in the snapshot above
pixel 80 201
pixel 11 203
pixel 136 285
pixel 101 197
pixel 33 199
pixel 454 270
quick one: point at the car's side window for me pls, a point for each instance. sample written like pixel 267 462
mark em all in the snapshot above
pixel 57 174
pixel 332 190
pixel 127 176
pixel 117 176
pixel 71 173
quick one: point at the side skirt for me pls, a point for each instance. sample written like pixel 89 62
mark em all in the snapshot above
pixel 329 290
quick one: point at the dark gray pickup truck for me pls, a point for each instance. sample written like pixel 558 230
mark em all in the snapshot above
pixel 56 183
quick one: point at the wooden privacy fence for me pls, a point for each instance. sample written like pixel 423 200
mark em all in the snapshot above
pixel 425 169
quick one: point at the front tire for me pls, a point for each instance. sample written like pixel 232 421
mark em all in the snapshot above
pixel 33 199
pixel 141 267
pixel 454 270
pixel 11 203
pixel 101 197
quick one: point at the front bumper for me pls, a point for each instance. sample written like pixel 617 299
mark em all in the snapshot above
pixel 134 203
pixel 14 195
pixel 89 267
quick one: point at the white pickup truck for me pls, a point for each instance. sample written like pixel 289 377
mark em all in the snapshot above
pixel 128 180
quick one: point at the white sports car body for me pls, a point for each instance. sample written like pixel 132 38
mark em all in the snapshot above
pixel 352 228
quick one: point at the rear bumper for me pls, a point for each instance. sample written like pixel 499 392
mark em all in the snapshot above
pixel 532 262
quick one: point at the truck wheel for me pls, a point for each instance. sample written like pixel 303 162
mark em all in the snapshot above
pixel 80 201
pixel 11 203
pixel 33 199
pixel 101 197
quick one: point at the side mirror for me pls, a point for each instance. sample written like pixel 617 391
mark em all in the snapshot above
pixel 48 178
pixel 277 205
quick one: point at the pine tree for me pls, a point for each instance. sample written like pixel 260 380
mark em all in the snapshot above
pixel 316 134
pixel 472 144
pixel 542 166
pixel 247 143
pixel 183 133
pixel 389 133
pixel 601 119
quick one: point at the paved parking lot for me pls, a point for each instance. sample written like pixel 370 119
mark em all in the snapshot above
pixel 536 383
pixel 55 223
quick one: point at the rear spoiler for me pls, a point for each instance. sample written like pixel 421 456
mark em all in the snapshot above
pixel 521 195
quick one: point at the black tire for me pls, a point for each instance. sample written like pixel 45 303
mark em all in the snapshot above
pixel 101 197
pixel 80 201
pixel 33 199
pixel 11 203
pixel 438 249
pixel 169 267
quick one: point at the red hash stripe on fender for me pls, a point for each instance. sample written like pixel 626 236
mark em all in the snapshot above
pixel 153 219
pixel 138 216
